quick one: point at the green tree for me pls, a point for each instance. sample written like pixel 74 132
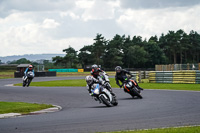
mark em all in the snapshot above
pixel 137 56
pixel 70 57
pixel 98 49
pixel 154 53
pixel 114 55
pixel 21 61
pixel 194 46
pixel 85 57
pixel 58 60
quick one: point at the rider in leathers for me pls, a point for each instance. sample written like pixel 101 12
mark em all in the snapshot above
pixel 95 73
pixel 91 81
pixel 121 76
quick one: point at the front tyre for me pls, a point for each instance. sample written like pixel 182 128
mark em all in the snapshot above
pixel 105 101
pixel 24 83
pixel 135 92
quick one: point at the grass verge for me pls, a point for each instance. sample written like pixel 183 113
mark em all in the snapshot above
pixel 6 74
pixel 68 74
pixel 10 74
pixel 21 107
pixel 193 129
pixel 82 83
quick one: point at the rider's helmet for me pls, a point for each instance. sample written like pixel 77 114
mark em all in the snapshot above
pixel 94 67
pixel 118 69
pixel 89 80
pixel 30 67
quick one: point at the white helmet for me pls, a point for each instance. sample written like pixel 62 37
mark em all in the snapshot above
pixel 94 66
pixel 89 80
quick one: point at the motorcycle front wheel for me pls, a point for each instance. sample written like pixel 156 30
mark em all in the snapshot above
pixel 105 101
pixel 135 92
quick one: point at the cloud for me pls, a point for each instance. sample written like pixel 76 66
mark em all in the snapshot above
pixel 49 26
pixel 25 36
pixel 152 4
pixel 50 23
pixel 152 22
pixel 98 9
pixel 8 7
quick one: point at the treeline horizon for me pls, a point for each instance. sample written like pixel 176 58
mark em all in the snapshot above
pixel 176 47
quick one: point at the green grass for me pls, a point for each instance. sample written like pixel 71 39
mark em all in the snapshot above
pixel 6 74
pixel 68 74
pixel 190 87
pixel 194 129
pixel 10 74
pixel 82 83
pixel 21 107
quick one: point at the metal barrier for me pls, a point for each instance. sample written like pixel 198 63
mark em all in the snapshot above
pixel 190 77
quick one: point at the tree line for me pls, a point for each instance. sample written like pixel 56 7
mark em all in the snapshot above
pixel 176 47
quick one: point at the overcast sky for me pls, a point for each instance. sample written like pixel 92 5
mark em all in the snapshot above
pixel 49 26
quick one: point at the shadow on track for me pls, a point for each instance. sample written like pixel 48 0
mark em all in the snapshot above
pixel 129 98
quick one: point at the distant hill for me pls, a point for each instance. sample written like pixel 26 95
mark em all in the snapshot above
pixel 31 57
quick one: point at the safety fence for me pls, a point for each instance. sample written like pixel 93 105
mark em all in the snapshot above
pixel 135 76
pixel 192 77
pixel 176 67
pixel 66 70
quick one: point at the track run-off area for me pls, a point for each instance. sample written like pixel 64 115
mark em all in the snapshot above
pixel 82 114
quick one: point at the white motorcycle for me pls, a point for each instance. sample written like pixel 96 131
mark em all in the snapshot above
pixel 27 79
pixel 104 96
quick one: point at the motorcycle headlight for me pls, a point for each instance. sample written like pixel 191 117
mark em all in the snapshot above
pixel 96 91
pixel 129 84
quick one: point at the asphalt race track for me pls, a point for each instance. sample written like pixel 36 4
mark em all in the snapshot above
pixel 81 114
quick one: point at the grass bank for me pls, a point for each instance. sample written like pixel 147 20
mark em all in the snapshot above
pixel 194 129
pixel 82 83
pixel 10 74
pixel 21 107
pixel 68 74
pixel 6 74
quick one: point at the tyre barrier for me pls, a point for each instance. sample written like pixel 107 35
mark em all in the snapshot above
pixel 188 76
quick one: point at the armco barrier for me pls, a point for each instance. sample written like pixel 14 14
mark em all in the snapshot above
pixel 192 77
pixel 37 74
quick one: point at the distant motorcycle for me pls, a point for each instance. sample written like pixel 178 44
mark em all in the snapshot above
pixel 27 79
pixel 130 87
pixel 104 96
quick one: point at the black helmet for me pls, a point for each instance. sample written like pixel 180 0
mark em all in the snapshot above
pixel 118 69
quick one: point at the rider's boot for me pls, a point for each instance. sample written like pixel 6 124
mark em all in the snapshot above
pixel 113 94
pixel 140 88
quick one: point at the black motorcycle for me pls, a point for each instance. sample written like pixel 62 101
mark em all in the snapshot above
pixel 130 86
pixel 27 79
